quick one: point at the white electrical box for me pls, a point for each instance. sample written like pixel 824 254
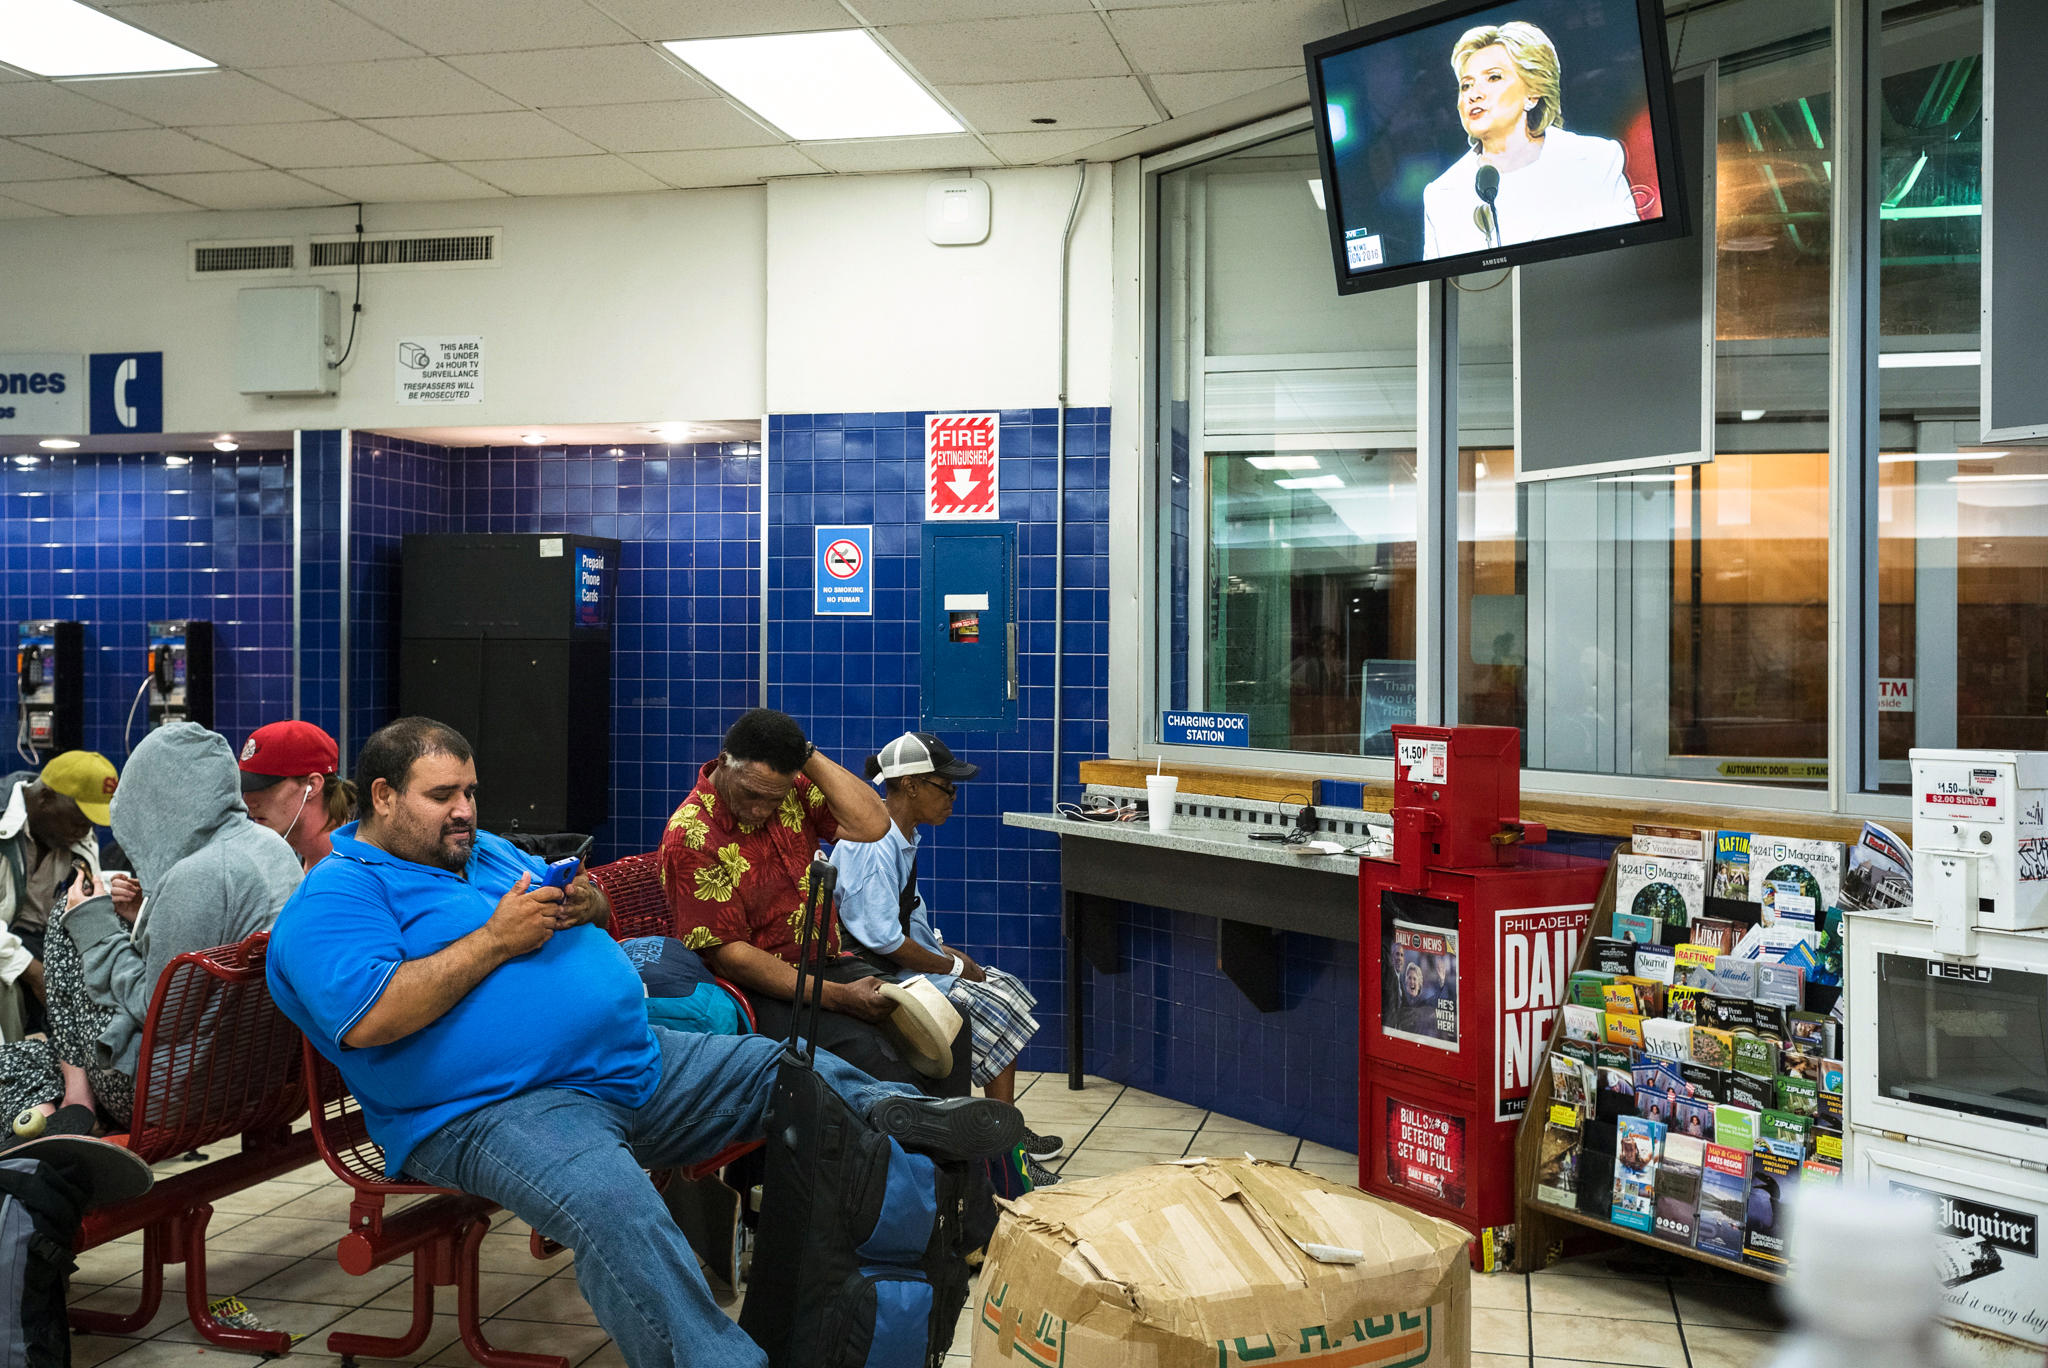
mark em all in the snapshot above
pixel 956 212
pixel 1987 810
pixel 285 337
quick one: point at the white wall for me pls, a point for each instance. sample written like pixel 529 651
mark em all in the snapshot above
pixel 865 314
pixel 607 309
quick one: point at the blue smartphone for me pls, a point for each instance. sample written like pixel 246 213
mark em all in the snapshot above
pixel 559 874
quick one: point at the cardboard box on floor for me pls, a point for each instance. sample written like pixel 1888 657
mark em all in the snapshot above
pixel 1215 1263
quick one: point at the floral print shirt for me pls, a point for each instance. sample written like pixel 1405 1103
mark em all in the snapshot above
pixel 727 882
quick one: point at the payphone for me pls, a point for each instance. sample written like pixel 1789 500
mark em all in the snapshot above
pixel 181 672
pixel 49 667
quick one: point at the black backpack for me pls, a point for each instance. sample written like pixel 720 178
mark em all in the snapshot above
pixel 860 1255
pixel 40 1210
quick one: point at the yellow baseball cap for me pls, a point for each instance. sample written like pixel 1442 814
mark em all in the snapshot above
pixel 87 778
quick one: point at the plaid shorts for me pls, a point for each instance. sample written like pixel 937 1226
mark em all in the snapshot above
pixel 999 1013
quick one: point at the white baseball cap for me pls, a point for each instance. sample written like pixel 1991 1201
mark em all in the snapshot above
pixel 918 753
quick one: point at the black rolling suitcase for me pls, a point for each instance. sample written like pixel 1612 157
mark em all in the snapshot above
pixel 860 1254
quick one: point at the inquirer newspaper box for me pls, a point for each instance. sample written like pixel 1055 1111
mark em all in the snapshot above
pixel 1217 1263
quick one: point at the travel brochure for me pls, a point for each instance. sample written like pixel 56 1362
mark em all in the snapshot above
pixel 1693 1088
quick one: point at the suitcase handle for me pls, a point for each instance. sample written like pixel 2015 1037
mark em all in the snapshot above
pixel 810 965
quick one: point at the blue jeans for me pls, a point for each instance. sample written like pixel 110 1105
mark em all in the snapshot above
pixel 572 1168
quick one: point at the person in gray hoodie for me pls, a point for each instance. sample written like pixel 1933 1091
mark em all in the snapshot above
pixel 209 876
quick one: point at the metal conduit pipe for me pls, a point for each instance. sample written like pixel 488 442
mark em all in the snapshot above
pixel 1059 533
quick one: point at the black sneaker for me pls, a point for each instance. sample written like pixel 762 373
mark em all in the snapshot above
pixel 1039 1174
pixel 949 1127
pixel 1043 1148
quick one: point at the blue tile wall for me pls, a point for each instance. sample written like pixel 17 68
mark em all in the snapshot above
pixel 117 541
pixel 397 486
pixel 686 641
pixel 853 681
pixel 319 496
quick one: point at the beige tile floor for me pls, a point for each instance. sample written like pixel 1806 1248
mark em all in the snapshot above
pixel 273 1246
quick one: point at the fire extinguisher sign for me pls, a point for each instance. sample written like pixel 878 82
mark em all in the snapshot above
pixel 1533 952
pixel 960 473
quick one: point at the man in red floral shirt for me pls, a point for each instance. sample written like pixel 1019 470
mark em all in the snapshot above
pixel 735 864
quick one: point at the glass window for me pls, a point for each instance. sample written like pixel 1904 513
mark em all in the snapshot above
pixel 1287 491
pixel 1962 529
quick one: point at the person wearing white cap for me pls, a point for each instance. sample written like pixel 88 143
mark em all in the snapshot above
pixel 882 912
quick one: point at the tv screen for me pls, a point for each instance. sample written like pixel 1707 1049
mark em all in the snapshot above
pixel 1466 137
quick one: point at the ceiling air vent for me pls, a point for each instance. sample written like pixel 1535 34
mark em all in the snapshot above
pixel 447 249
pixel 273 256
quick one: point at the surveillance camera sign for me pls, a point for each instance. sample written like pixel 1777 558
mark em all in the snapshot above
pixel 440 370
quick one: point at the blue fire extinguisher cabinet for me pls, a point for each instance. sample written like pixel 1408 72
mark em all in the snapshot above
pixel 969 641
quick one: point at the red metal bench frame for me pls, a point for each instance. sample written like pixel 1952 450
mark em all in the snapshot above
pixel 218 1059
pixel 445 1233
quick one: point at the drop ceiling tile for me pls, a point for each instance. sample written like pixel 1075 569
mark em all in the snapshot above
pixel 199 97
pixel 1010 107
pixel 253 33
pixel 684 125
pixel 362 90
pixel 563 176
pixel 1042 47
pixel 492 25
pixel 99 195
pixel 628 74
pixel 484 137
pixel 336 142
pixel 1225 37
pixel 142 151
pixel 18 163
pixel 243 190
pixel 1028 149
pixel 944 152
pixel 1188 93
pixel 660 20
pixel 41 107
pixel 17 209
pixel 724 166
pixel 879 12
pixel 402 184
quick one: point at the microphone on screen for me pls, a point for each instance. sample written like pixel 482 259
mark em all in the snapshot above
pixel 1486 183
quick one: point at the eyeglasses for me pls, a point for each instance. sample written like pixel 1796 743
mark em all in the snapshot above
pixel 944 786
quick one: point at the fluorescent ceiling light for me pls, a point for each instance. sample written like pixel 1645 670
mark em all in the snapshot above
pixel 1917 360
pixel 672 432
pixel 1901 457
pixel 65 38
pixel 177 461
pixel 534 438
pixel 1751 415
pixel 26 461
pixel 227 446
pixel 57 444
pixel 2037 476
pixel 1284 463
pixel 819 86
pixel 1312 482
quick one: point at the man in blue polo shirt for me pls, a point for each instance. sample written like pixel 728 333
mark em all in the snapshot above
pixel 498 1043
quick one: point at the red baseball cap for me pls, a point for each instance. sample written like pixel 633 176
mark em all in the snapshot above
pixel 283 750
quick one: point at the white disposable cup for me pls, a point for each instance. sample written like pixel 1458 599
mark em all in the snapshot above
pixel 1159 791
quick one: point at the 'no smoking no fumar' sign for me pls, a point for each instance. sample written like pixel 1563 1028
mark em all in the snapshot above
pixel 845 571
pixel 959 467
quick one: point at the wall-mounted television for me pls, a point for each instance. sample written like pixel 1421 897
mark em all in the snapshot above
pixel 1464 137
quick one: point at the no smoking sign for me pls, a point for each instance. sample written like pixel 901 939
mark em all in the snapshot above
pixel 960 467
pixel 845 571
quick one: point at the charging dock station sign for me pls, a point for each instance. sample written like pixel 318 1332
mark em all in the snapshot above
pixel 960 477
pixel 845 573
pixel 1205 729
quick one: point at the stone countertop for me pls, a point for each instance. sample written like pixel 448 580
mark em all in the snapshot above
pixel 1193 835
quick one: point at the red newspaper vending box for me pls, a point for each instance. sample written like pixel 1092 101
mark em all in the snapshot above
pixel 1466 943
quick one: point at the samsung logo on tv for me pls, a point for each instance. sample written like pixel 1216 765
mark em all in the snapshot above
pixel 1494 261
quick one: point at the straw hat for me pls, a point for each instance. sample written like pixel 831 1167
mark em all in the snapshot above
pixel 923 1024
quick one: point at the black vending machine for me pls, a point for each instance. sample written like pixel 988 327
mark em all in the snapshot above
pixel 508 639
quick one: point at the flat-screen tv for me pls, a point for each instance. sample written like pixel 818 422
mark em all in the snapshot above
pixel 1464 137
